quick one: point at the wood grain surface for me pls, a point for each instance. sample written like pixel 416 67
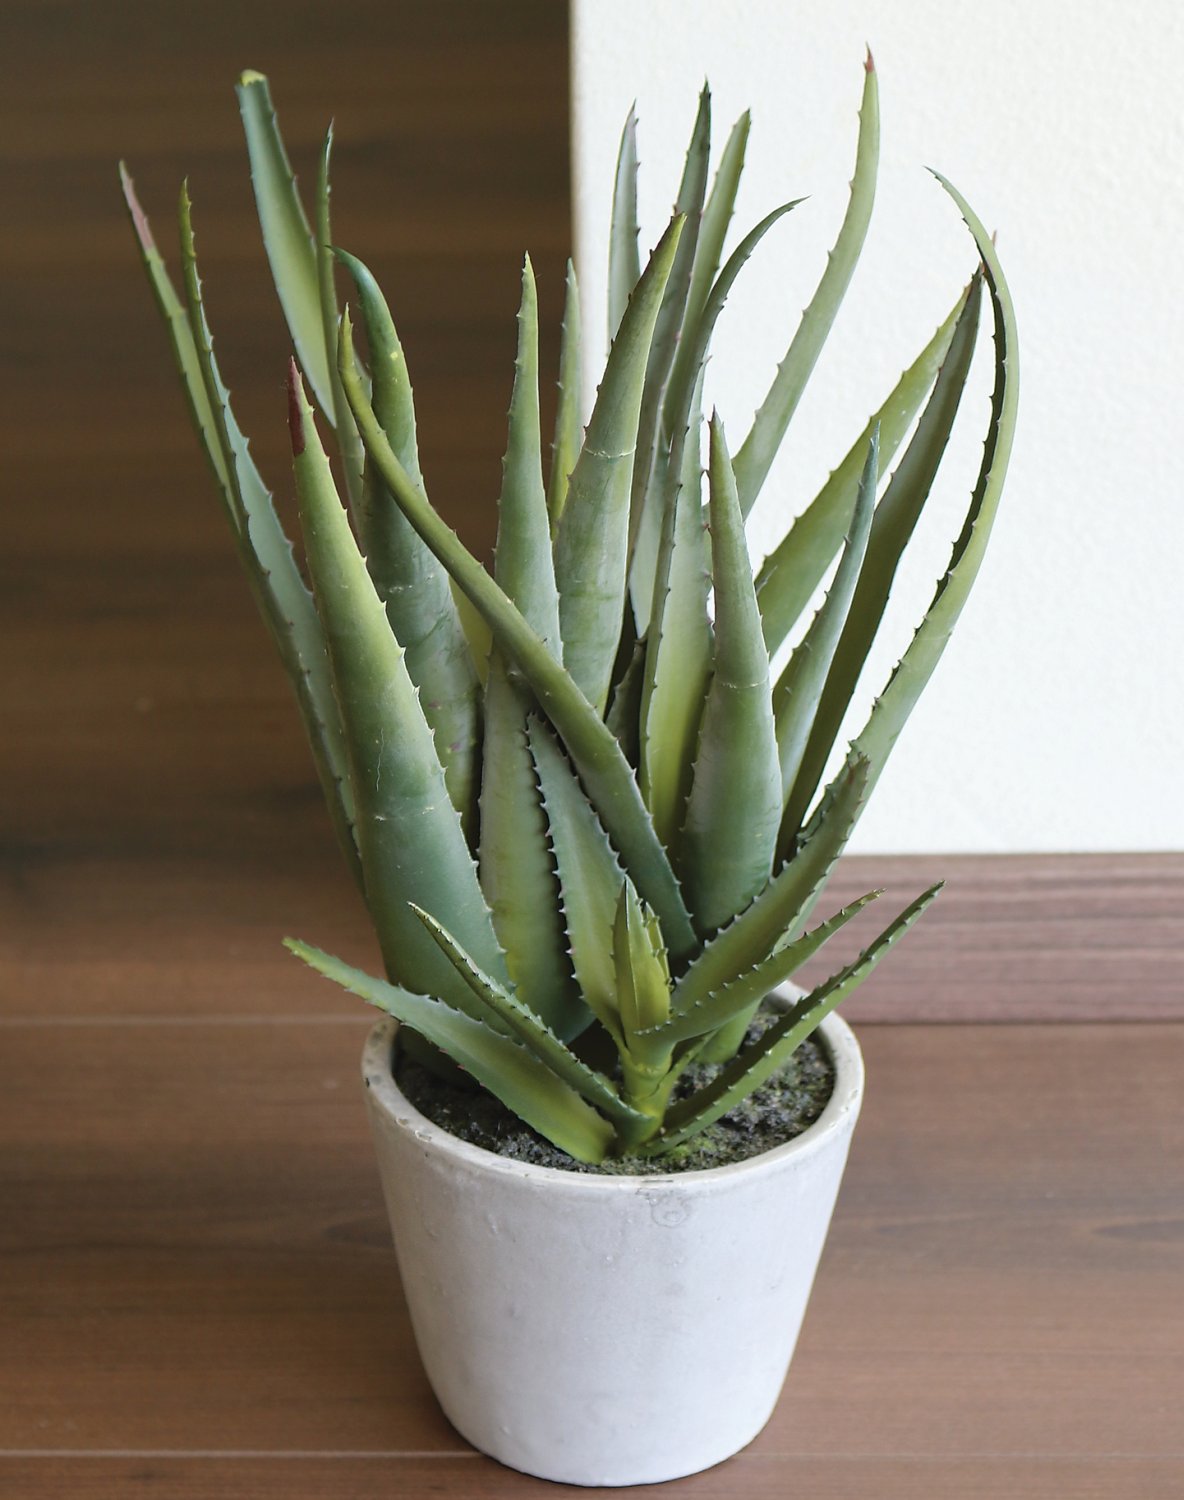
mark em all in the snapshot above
pixel 196 1262
pixel 197 1292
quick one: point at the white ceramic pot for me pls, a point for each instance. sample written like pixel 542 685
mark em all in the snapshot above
pixel 604 1330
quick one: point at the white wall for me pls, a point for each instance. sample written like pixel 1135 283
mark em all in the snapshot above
pixel 1055 721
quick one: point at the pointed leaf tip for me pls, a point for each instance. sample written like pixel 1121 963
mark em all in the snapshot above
pixel 139 218
pixel 295 415
pixel 869 63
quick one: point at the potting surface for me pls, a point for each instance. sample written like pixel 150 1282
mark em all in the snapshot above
pixel 198 1295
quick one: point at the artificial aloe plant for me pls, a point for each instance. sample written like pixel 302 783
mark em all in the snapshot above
pixel 573 791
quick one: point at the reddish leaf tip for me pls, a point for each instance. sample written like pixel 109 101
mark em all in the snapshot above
pixel 869 62
pixel 139 218
pixel 295 415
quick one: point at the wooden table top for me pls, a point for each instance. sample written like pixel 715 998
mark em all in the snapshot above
pixel 197 1291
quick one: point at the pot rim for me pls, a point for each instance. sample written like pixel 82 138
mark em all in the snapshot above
pixel 845 1099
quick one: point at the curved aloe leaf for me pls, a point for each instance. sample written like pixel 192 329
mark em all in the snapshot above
pixel 734 807
pixel 286 234
pixel 678 649
pixel 565 448
pixel 393 398
pixel 758 1063
pixel 410 580
pixel 718 1009
pixel 607 776
pixel 624 259
pixel 353 456
pixel 771 422
pixel 591 544
pixel 498 1062
pixel 793 570
pixel 895 518
pixel 590 877
pixel 263 549
pixel 780 912
pixel 531 1031
pixel 892 708
pixel 799 688
pixel 410 837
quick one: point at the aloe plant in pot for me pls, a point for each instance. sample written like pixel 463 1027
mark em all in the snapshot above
pixel 589 819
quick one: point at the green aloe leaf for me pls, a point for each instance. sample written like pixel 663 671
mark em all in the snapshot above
pixel 531 1031
pixel 624 259
pixel 565 448
pixel 713 231
pixel 391 392
pixel 892 708
pixel 190 364
pixel 411 582
pixel 517 872
pixel 895 518
pixel 734 808
pixel 739 998
pixel 499 1063
pixel 590 877
pixel 779 914
pixel 353 456
pixel 264 551
pixel 771 422
pixel 523 565
pixel 758 1063
pixel 650 468
pixel 799 688
pixel 646 568
pixel 624 709
pixel 797 565
pixel 678 648
pixel 606 774
pixel 643 976
pixel 286 234
pixel 410 837
pixel 591 543
pixel 693 347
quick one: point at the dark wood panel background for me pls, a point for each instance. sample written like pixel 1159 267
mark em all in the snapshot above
pixel 146 725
